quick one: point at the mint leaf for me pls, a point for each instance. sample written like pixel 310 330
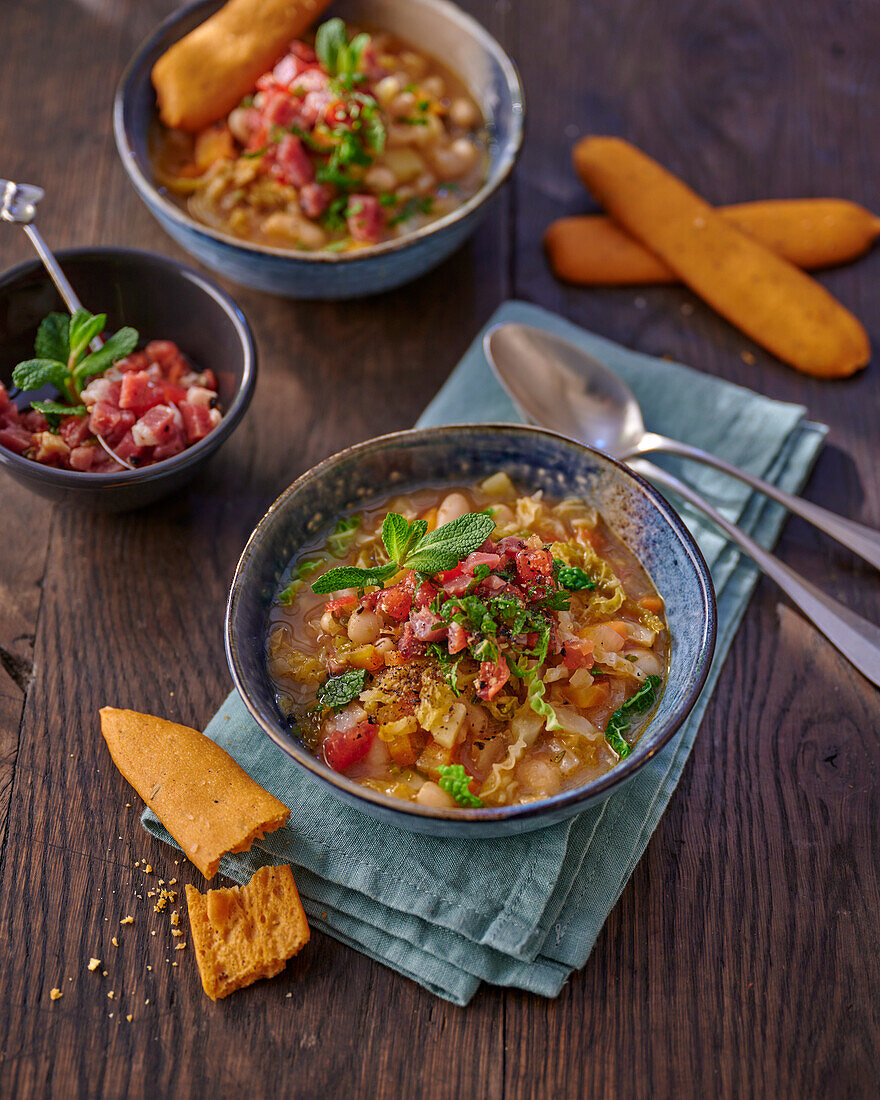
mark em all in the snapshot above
pixel 339 691
pixel 117 347
pixel 33 374
pixel 455 781
pixel 400 537
pixel 620 720
pixel 52 338
pixel 55 408
pixel 330 39
pixel 84 327
pixel 349 576
pixel 462 535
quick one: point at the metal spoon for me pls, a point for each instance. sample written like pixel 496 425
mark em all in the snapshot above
pixel 18 203
pixel 551 395
pixel 555 381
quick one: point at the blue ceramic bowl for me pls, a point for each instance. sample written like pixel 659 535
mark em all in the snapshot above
pixel 633 509
pixel 438 27
pixel 164 300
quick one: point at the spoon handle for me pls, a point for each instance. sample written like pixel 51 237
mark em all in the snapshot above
pixel 856 638
pixel 861 540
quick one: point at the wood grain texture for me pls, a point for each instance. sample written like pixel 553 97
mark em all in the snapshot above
pixel 742 958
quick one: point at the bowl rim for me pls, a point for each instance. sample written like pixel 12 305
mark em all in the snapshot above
pixel 82 479
pixel 556 805
pixel 151 195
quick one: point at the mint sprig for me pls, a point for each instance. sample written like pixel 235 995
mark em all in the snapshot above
pixel 411 546
pixel 338 691
pixel 64 361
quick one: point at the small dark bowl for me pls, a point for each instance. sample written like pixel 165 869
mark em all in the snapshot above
pixel 457 455
pixel 163 300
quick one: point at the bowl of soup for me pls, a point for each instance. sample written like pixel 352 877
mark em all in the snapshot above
pixel 361 158
pixel 479 629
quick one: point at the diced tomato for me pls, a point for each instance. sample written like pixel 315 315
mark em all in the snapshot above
pixel 578 653
pixel 396 602
pixel 451 574
pixel 534 565
pixel 492 677
pixel 344 748
pixel 425 595
pixel 340 604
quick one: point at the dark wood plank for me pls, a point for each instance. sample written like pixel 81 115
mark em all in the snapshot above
pixel 739 959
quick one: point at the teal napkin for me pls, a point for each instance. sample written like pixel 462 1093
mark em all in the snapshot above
pixel 524 911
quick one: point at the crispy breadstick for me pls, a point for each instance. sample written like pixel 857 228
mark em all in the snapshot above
pixel 768 298
pixel 592 250
pixel 204 75
pixel 208 803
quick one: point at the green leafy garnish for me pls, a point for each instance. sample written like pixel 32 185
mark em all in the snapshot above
pixel 64 361
pixel 455 781
pixel 297 580
pixel 620 720
pixel 342 536
pixel 338 691
pixel 413 206
pixel 410 546
pixel 535 689
pixel 448 664
pixel 573 578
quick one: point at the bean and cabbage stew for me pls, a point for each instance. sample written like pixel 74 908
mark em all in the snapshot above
pixel 479 647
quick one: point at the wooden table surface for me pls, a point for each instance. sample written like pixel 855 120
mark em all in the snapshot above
pixel 742 958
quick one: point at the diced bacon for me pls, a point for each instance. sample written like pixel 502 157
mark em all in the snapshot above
pixel 457 640
pixel 280 109
pixel 409 645
pixel 341 603
pixel 198 420
pixel 33 421
pixel 493 584
pixel 577 653
pixel 365 218
pixel 292 164
pixel 427 627
pixel 74 430
pixel 310 80
pixel 51 448
pixel 471 562
pixel 199 395
pixel 304 52
pixel 175 441
pixel 83 458
pixel 509 546
pixel 136 360
pixel 154 427
pixel 316 105
pixel 314 199
pixel 208 379
pixel 287 68
pixel 16 439
pixel 492 677
pixel 457 586
pixel 4 399
pixel 101 389
pixel 140 392
pixel 110 422
pixel 425 594
pixel 395 602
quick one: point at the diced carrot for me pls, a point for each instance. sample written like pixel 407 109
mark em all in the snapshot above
pixel 404 750
pixel 651 603
pixel 366 656
pixel 621 627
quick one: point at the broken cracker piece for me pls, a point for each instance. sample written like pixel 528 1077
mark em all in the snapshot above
pixel 208 803
pixel 246 933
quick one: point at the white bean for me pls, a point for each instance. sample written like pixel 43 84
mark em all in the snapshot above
pixel 453 506
pixel 380 178
pixel 330 624
pixel 435 86
pixel 364 626
pixel 403 105
pixel 646 661
pixel 435 797
pixel 387 89
pixel 463 113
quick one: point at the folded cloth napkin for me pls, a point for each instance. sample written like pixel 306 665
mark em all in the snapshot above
pixel 523 911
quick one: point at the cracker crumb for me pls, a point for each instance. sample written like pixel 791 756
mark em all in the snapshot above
pixel 172 882
pixel 55 993
pixel 179 946
pixel 128 805
pixel 288 994
pixel 153 933
pixel 129 1017
pixel 104 972
pixel 747 357
pixel 174 964
pixel 109 1015
pixel 115 942
pixel 176 931
pixel 111 995
pixel 147 1001
pixel 175 918
pixel 94 964
pixel 148 869
pixel 127 920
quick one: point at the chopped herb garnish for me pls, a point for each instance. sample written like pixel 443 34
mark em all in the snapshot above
pixel 620 720
pixel 338 691
pixel 413 206
pixel 572 577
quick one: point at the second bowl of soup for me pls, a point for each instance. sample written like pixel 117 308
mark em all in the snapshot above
pixel 478 629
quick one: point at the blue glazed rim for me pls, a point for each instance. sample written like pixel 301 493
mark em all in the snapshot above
pixel 557 806
pixel 150 194
pixel 77 479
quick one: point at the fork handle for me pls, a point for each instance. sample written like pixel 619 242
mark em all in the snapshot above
pixel 860 539
pixel 856 638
